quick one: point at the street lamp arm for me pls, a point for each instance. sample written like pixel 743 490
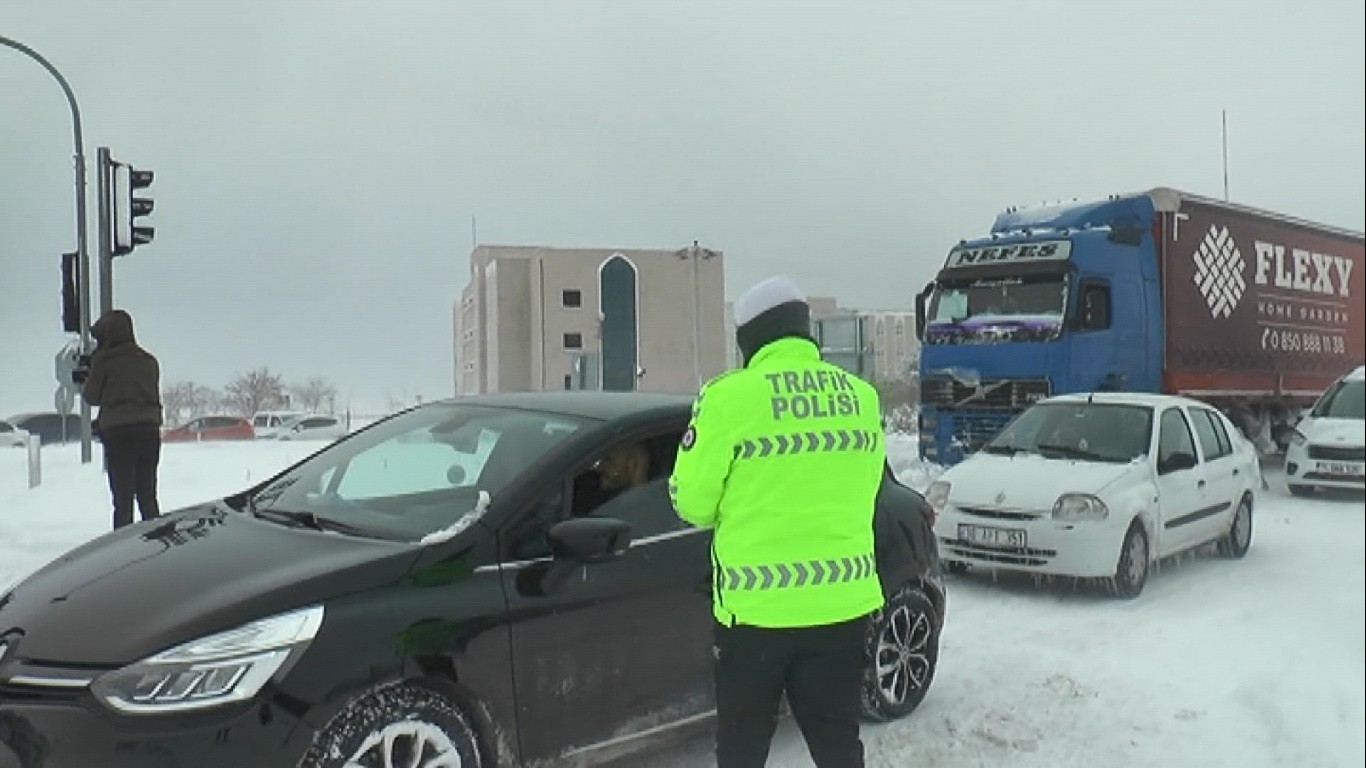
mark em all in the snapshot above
pixel 83 254
pixel 56 75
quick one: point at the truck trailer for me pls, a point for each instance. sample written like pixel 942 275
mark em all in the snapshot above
pixel 1251 311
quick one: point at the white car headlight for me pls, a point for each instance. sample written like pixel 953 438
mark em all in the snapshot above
pixel 1079 506
pixel 229 666
pixel 938 494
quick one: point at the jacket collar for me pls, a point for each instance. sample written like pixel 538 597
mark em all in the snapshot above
pixel 787 348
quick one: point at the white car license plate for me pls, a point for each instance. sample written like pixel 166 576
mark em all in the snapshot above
pixel 1340 468
pixel 986 535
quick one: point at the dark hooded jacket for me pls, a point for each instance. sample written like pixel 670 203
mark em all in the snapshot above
pixel 124 379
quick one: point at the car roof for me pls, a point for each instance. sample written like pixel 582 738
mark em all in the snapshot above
pixel 1144 399
pixel 1357 375
pixel 589 404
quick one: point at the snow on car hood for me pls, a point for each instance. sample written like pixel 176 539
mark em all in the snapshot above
pixel 1028 481
pixel 1344 432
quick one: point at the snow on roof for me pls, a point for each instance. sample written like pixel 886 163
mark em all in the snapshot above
pixel 1357 375
pixel 1123 398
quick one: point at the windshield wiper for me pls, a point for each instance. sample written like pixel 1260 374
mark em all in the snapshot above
pixel 312 520
pixel 1069 451
pixel 1003 450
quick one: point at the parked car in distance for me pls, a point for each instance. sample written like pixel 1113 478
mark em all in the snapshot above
pixel 267 424
pixel 51 428
pixel 312 427
pixel 1100 486
pixel 207 428
pixel 1328 447
pixel 12 436
pixel 470 592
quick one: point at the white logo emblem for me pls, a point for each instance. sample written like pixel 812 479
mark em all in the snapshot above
pixel 1219 272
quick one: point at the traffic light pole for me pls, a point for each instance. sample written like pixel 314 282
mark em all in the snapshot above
pixel 105 255
pixel 81 245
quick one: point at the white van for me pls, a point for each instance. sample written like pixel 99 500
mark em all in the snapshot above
pixel 1328 448
pixel 267 424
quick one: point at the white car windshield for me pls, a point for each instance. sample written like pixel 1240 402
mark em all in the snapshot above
pixel 416 473
pixel 1107 432
pixel 1344 400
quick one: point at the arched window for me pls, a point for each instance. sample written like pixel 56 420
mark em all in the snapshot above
pixel 617 289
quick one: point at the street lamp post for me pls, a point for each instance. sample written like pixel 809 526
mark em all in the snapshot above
pixel 83 254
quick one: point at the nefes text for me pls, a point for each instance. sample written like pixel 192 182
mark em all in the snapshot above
pixel 812 394
pixel 1307 271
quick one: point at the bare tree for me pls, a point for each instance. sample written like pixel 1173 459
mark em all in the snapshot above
pixel 316 395
pixel 204 401
pixel 178 400
pixel 254 391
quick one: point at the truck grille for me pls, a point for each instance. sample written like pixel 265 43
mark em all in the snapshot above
pixel 946 392
pixel 1336 453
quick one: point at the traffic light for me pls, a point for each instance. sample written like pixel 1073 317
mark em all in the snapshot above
pixel 71 293
pixel 128 208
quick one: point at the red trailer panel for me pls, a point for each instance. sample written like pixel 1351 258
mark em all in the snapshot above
pixel 1258 305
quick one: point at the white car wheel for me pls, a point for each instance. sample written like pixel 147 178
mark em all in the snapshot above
pixel 1239 537
pixel 1131 572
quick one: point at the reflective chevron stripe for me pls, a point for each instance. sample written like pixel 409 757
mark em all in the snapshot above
pixel 824 441
pixel 811 573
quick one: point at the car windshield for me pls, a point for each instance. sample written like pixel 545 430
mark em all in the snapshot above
pixel 1107 432
pixel 1344 400
pixel 1007 309
pixel 416 473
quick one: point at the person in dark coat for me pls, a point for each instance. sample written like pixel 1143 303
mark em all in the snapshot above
pixel 124 381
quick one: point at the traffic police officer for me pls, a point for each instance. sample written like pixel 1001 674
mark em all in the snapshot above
pixel 783 458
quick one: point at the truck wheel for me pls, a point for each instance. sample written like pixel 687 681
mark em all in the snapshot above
pixel 1131 572
pixel 1236 542
pixel 901 654
pixel 402 724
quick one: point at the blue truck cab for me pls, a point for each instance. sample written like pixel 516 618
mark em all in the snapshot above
pixel 1053 300
pixel 1251 311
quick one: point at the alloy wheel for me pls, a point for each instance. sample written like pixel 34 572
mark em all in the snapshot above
pixel 407 744
pixel 903 661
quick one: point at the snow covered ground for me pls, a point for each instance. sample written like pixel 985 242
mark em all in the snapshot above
pixel 1251 663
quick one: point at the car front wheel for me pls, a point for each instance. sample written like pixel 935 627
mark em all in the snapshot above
pixel 1131 572
pixel 900 657
pixel 404 724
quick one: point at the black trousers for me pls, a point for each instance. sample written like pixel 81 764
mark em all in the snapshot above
pixel 820 668
pixel 131 456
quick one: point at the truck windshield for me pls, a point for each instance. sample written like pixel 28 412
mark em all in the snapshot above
pixel 1004 309
pixel 1344 400
pixel 1106 432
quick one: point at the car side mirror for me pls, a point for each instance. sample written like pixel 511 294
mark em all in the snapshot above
pixel 1176 462
pixel 589 539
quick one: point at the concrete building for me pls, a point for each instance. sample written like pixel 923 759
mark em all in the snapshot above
pixel 878 345
pixel 566 318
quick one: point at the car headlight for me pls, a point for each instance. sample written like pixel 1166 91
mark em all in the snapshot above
pixel 1079 506
pixel 1297 437
pixel 938 494
pixel 229 666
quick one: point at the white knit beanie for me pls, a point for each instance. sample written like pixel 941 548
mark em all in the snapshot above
pixel 765 296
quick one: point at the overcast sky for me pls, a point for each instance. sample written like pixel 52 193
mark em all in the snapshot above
pixel 318 164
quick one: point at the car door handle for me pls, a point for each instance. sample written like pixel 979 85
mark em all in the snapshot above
pixel 1200 484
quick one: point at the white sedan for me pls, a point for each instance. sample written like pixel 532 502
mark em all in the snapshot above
pixel 313 427
pixel 1100 486
pixel 1328 448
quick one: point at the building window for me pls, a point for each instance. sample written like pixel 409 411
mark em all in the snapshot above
pixel 573 341
pixel 571 299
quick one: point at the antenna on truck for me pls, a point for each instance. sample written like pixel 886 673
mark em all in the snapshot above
pixel 1224 138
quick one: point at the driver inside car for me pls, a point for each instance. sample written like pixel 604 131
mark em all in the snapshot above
pixel 625 467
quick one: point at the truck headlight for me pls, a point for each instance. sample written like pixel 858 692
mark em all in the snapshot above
pixel 938 494
pixel 1079 506
pixel 229 666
